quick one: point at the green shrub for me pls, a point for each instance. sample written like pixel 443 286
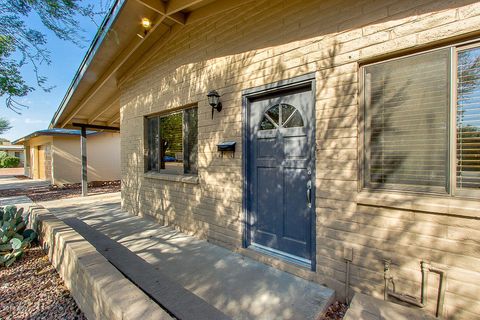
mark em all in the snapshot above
pixel 9 162
pixel 3 155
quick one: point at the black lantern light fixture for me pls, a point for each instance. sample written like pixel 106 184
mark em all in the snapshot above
pixel 214 101
pixel 146 25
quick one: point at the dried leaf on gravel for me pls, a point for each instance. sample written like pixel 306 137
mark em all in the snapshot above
pixel 336 311
pixel 32 289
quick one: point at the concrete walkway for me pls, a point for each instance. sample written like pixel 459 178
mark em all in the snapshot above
pixel 236 285
pixel 8 182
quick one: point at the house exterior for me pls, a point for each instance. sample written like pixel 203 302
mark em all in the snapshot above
pixel 13 151
pixel 355 130
pixel 54 155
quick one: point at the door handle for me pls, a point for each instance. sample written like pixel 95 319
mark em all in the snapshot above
pixel 309 193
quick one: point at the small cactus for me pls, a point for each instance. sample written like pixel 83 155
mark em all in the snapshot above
pixel 14 237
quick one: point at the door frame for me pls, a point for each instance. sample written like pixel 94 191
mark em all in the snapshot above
pixel 258 92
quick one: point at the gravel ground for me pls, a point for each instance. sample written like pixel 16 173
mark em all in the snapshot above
pixel 336 311
pixel 66 191
pixel 32 289
pixel 22 177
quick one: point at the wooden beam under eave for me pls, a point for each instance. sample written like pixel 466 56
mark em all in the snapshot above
pixel 114 119
pixel 178 5
pixel 159 7
pixel 155 5
pixel 151 51
pixel 213 9
pixel 107 75
pixel 112 101
pixel 178 17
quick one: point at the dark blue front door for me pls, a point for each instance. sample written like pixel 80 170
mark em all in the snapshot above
pixel 280 166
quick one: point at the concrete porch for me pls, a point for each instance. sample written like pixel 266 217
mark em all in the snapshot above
pixel 238 286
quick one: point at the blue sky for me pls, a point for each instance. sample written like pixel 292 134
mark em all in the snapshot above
pixel 66 58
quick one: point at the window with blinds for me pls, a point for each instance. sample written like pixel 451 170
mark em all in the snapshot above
pixel 468 120
pixel 406 122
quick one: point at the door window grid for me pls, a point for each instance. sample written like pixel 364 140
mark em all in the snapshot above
pixel 281 116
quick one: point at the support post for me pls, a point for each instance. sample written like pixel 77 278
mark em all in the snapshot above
pixel 83 144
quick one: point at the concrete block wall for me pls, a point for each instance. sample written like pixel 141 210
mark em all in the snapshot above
pixel 268 41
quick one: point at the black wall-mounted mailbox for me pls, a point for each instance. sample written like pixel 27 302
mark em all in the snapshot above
pixel 226 146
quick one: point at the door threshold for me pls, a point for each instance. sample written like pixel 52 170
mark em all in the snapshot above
pixel 290 258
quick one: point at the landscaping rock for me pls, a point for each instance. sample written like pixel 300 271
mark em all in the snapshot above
pixel 47 193
pixel 32 289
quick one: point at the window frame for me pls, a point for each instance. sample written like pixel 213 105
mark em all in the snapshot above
pixel 466 193
pixel 185 131
pixel 450 188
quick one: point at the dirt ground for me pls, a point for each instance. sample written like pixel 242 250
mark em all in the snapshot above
pixel 47 193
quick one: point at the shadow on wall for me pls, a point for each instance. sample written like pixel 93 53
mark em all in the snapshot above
pixel 213 208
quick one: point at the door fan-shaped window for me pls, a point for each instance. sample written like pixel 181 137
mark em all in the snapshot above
pixel 281 116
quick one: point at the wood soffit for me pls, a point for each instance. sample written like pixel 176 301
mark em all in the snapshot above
pixel 95 99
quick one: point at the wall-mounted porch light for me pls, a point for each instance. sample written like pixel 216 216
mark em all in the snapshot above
pixel 146 25
pixel 214 101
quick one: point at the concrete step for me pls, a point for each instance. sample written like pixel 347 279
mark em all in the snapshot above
pixel 238 286
pixel 365 307
pixel 179 302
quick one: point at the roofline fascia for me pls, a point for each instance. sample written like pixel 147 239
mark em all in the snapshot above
pixel 92 50
pixel 49 134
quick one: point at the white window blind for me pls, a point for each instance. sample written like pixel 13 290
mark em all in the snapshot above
pixel 468 119
pixel 406 121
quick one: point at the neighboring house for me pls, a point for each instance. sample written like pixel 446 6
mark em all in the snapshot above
pixel 356 126
pixel 13 151
pixel 54 155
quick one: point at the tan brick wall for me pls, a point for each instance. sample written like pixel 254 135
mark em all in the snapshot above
pixel 268 41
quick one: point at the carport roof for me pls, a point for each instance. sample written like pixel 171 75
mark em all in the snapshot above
pixel 51 132
pixel 11 147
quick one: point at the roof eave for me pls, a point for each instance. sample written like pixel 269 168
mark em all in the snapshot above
pixel 96 43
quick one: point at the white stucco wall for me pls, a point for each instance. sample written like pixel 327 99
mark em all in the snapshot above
pixel 103 157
